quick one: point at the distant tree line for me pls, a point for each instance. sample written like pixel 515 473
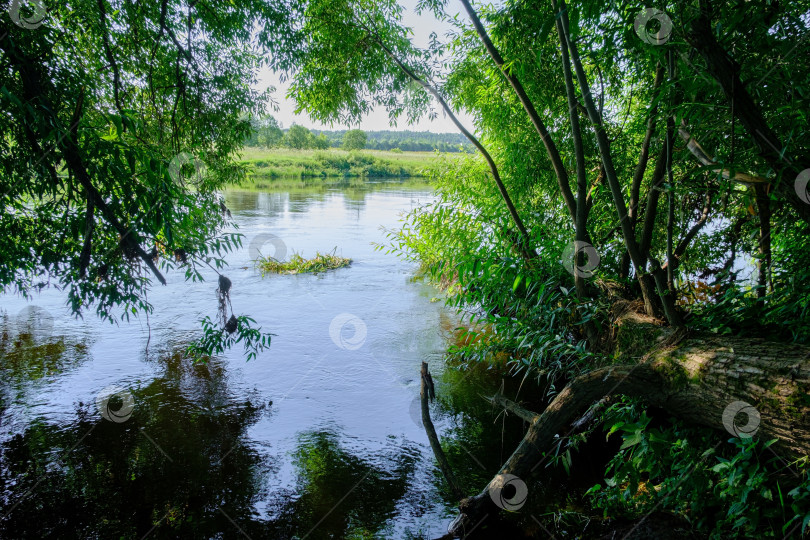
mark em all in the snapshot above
pixel 407 141
pixel 268 133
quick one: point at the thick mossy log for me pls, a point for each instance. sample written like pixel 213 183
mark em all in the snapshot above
pixel 701 379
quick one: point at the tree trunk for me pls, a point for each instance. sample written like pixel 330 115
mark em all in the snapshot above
pixel 700 379
pixel 765 259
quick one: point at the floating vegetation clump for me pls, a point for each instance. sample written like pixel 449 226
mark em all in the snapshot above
pixel 297 264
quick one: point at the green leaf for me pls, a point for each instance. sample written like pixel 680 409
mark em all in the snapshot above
pixel 632 440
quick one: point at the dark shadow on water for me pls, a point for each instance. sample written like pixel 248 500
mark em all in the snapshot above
pixel 183 466
pixel 164 472
pixel 339 494
pixel 480 438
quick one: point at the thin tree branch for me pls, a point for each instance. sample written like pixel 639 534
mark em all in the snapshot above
pixel 644 158
pixel 105 39
pixel 528 105
pixel 703 157
pixel 525 246
pixel 514 408
pixel 87 248
pixel 613 182
pixel 764 260
pixel 426 392
pixel 693 231
pixel 641 167
pixel 651 211
pixel 670 204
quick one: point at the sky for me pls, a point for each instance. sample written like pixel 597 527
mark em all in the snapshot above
pixel 422 26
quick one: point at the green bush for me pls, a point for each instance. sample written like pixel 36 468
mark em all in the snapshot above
pixel 724 486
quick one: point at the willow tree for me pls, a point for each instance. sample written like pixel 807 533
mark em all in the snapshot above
pixel 120 122
pixel 669 145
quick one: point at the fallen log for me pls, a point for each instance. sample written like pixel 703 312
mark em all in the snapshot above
pixel 514 408
pixel 742 386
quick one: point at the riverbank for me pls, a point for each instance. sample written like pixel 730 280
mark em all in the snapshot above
pixel 352 186
pixel 335 163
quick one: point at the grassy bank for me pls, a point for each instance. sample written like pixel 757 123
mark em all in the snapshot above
pixel 335 163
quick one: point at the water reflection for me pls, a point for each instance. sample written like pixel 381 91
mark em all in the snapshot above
pixel 27 360
pixel 165 471
pixel 30 357
pixel 184 465
pixel 274 198
pixel 339 493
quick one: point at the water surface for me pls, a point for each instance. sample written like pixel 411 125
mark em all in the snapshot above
pixel 315 438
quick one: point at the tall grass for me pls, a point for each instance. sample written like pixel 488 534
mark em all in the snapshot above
pixel 299 265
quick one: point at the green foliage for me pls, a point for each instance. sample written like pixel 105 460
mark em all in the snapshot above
pixel 782 313
pixel 335 163
pixel 724 488
pixel 527 311
pixel 354 139
pixel 407 141
pixel 298 137
pixel 120 124
pixel 704 226
pixel 121 121
pixel 297 264
pixel 217 339
pixel 266 132
pixel 320 142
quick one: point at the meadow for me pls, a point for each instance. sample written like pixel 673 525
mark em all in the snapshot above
pixel 335 163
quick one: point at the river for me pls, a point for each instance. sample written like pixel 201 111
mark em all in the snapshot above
pixel 318 437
